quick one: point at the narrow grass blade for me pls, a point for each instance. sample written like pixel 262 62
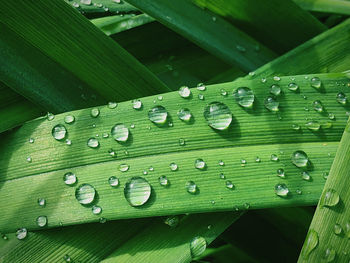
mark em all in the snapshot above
pixel 327 6
pixel 115 24
pixel 329 229
pixel 278 25
pixel 159 146
pixel 215 35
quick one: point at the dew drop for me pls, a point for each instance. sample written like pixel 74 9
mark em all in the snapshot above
pixel 172 221
pixel 163 181
pixel 300 159
pixel 102 220
pixel 184 114
pixel 341 98
pixel 182 142
pixel 94 112
pixel 275 90
pixel 59 132
pixel 295 127
pixel 50 116
pixel 221 163
pixel 85 194
pixel 329 198
pixel 41 202
pixel 158 115
pixel 31 140
pixel 113 181
pixel 69 178
pixel 274 158
pixel 310 244
pixel 68 142
pixel 93 143
pixel 331 116
pixel 201 96
pixel 191 187
pixel 136 104
pixel 218 115
pixel 280 173
pixel 223 92
pixel 41 221
pixel 316 83
pixel 222 176
pixel 21 233
pixel 112 105
pixel 257 159
pixel 276 78
pixel 69 119
pixel 281 190
pixel 325 175
pixel 67 258
pixel 160 97
pixel 240 48
pixel 244 97
pixel 201 87
pixel 200 164
pixel 293 87
pixel 173 167
pixel 263 80
pixel 29 159
pixel 329 255
pixel 198 246
pixel 305 176
pixel 120 132
pixel 271 104
pixel 229 184
pixel 137 191
pixel 123 167
pixel 313 125
pixel 318 106
pixel 337 229
pixel 96 210
pixel 184 92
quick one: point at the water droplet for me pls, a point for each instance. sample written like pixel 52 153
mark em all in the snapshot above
pixel 59 132
pixel 123 167
pixel 184 92
pixel 191 187
pixel 102 220
pixel 313 125
pixel 50 116
pixel 113 181
pixel 229 184
pixel 120 132
pixel 94 112
pixel 172 221
pixel 326 125
pixel 163 181
pixel 240 48
pixel 137 191
pixel 41 221
pixel 318 106
pixel 21 233
pixel 246 206
pixel 222 176
pixel 316 83
pixel 331 116
pixel 31 140
pixel 201 87
pixel 252 73
pixel 300 159
pixel 244 97
pixel 69 178
pixel 144 172
pixel 151 168
pixel 293 87
pixel 275 90
pixel 158 115
pixel 68 142
pixel 201 96
pixel 221 163
pixel 274 158
pixel 29 159
pixel 298 191
pixel 281 190
pixel 173 167
pixel 276 78
pixel 310 244
pixel 85 194
pixel 112 105
pixel 96 210
pixel 198 246
pixel 76 5
pixel 337 229
pixel 199 164
pixel 218 115
pixel 86 2
pixel 93 143
pixel 41 202
pixel 263 80
pixel 184 114
pixel 136 104
pixel 257 159
pixel 329 198
pixel 4 237
pixel 182 142
pixel 329 255
pixel 67 258
pixel 271 104
pixel 295 127
pixel 325 175
pixel 160 97
pixel 341 98
pixel 223 92
pixel 305 176
pixel 280 173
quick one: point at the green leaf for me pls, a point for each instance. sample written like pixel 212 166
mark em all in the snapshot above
pixel 216 35
pixel 327 6
pixel 330 225
pixel 254 133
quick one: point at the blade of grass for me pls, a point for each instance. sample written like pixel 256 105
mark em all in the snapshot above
pixel 278 25
pixel 217 37
pixel 327 6
pixel 92 165
pixel 332 212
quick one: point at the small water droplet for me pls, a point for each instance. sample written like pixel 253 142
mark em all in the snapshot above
pixel 341 98
pixel 295 127
pixel 310 244
pixel 184 114
pixel 271 104
pixel 274 158
pixel 200 164
pixel 229 184
pixel 184 92
pixel 120 132
pixel 244 97
pixel 201 87
pixel 246 206
pixel 123 167
pixel 85 194
pixel 96 210
pixel 29 159
pixel 331 116
pixel 257 159
pixel 113 181
pixel 67 258
pixel 21 233
pixel 93 143
pixel 69 178
pixel 263 80
pixel 218 115
pixel 151 168
pixel 160 97
pixel 132 126
pixel 305 176
pixel 50 116
pixel 222 176
pixel 136 104
pixel 221 163
pixel 137 191
pixel 94 112
pixel 158 115
pixel 112 105
pixel 280 173
pixel 198 246
pixel 337 229
pixel 223 92
pixel 316 83
pixel 329 198
pixel 298 191
pixel 300 159
pixel 293 87
pixel 41 202
pixel 41 221
pixel 325 175
pixel 329 255
pixel 276 78
pixel 318 106
pixel 313 125
pixel 182 142
pixel 173 167
pixel 68 142
pixel 172 221
pixel 275 89
pixel 281 190
pixel 76 5
pixel 59 132
pixel 163 181
pixel 102 220
pixel 31 140
pixel 201 96
pixel 191 187
pixel 240 48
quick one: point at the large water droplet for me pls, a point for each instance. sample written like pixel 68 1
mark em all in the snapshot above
pixel 313 125
pixel 218 115
pixel 164 181
pixel 93 143
pixel 198 246
pixel 329 198
pixel 85 194
pixel 244 97
pixel 199 164
pixel 281 190
pixel 191 187
pixel 275 89
pixel 310 244
pixel 112 105
pixel 59 132
pixel 158 115
pixel 184 114
pixel 316 83
pixel 69 178
pixel 21 233
pixel 271 103
pixel 318 106
pixel 300 159
pixel 329 255
pixel 94 112
pixel 41 221
pixel 137 191
pixel 184 92
pixel 341 98
pixel 113 181
pixel 120 132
